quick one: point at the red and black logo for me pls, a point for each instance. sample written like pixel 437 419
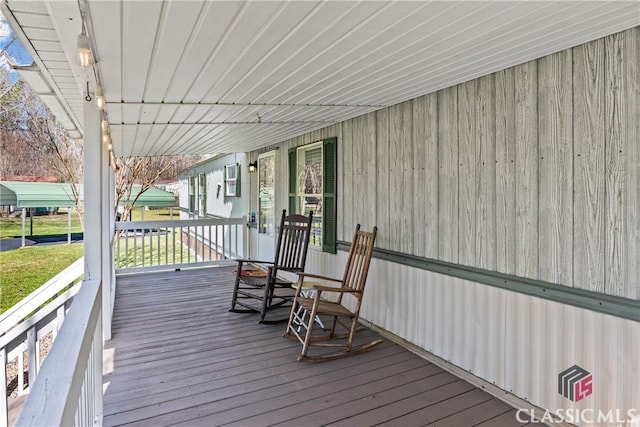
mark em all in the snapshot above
pixel 575 383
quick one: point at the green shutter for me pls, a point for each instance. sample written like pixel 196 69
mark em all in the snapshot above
pixel 292 179
pixel 329 185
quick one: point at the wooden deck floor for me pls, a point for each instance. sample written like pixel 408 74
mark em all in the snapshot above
pixel 179 357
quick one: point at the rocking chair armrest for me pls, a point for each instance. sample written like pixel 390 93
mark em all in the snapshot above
pixel 255 261
pixel 317 276
pixel 341 290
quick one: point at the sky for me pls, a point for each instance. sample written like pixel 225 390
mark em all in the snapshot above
pixel 15 49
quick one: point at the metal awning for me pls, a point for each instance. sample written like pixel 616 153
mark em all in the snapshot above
pixel 153 197
pixel 37 194
pixel 51 195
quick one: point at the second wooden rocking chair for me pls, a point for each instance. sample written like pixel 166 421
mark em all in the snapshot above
pixel 309 300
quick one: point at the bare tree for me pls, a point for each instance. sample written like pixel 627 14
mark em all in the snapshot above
pixel 36 141
pixel 19 155
pixel 32 140
pixel 145 171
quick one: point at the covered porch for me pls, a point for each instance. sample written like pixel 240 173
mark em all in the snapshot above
pixel 178 357
pixel 495 146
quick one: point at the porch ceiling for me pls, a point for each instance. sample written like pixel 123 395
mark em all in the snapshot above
pixel 203 77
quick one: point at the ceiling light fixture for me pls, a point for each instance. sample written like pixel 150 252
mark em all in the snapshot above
pixel 85 57
pixel 100 102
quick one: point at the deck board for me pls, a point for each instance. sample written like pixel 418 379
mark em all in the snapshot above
pixel 179 357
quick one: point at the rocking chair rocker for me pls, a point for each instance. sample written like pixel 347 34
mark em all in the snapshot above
pixel 353 283
pixel 258 287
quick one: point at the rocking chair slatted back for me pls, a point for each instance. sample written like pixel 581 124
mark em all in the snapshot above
pixel 355 275
pixel 291 250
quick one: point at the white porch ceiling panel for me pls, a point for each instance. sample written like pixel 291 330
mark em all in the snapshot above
pixel 206 77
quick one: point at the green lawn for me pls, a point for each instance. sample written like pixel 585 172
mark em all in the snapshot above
pixel 160 214
pixel 160 248
pixel 45 225
pixel 25 269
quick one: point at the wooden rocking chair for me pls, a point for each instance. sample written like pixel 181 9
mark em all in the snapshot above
pixel 258 288
pixel 309 300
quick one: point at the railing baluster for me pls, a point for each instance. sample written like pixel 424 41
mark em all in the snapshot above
pixel 244 232
pixel 21 372
pixel 38 361
pixel 166 247
pixel 181 245
pixel 210 243
pixel 135 248
pixel 150 247
pixel 97 373
pixel 224 254
pixel 203 238
pixel 4 404
pixel 158 246
pixel 32 337
pixel 173 243
pixel 158 234
pixel 118 254
pixel 189 243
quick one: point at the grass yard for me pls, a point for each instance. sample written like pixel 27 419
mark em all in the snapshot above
pixel 25 269
pixel 161 247
pixel 159 214
pixel 45 225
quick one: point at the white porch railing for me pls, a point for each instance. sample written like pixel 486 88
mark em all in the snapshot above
pixel 23 325
pixel 154 245
pixel 68 390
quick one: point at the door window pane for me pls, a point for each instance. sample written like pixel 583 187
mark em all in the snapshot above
pixel 266 185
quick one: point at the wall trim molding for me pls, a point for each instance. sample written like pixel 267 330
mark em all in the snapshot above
pixel 601 303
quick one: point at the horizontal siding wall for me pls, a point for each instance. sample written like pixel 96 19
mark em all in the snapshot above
pixel 531 171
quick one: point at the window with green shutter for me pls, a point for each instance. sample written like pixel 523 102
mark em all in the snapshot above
pixel 312 187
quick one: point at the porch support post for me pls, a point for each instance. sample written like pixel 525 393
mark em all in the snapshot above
pixel 108 228
pixel 24 219
pixel 93 180
pixel 69 213
pixel 113 207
